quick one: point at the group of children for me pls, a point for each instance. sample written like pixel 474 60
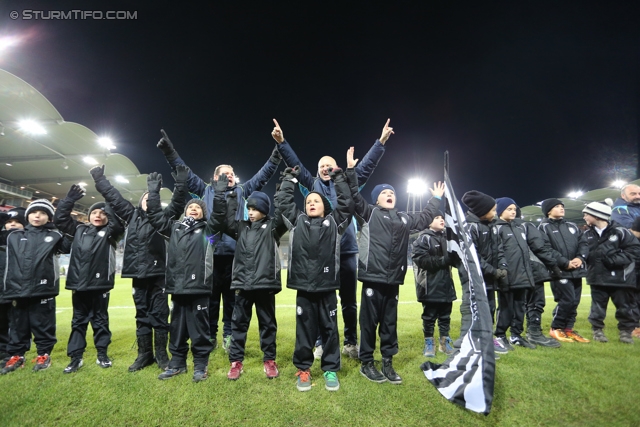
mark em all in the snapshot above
pixel 175 250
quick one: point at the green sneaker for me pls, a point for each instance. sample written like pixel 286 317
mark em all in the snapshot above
pixel 226 343
pixel 331 381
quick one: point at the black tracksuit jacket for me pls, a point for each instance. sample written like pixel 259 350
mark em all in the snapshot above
pixel 488 247
pixel 567 239
pixel 432 268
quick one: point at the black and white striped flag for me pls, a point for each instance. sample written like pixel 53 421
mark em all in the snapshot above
pixel 467 376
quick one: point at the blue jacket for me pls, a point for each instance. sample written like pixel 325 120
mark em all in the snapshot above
pixel 309 183
pixel 196 186
pixel 624 212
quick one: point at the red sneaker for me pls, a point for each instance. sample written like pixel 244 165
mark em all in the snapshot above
pixel 271 369
pixel 235 371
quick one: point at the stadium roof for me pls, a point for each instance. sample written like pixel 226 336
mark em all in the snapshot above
pixel 44 156
pixel 573 206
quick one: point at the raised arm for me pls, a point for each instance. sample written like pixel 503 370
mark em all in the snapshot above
pixel 62 218
pixel 195 184
pixel 260 179
pixel 421 220
pixel 116 228
pixel 122 208
pixel 285 205
pixel 290 158
pixel 154 206
pixel 222 220
pixel 362 209
pixel 345 207
pixel 373 156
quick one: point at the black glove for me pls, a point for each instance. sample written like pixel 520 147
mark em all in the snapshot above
pixel 154 182
pixel 503 284
pixel 556 273
pixel 181 175
pixel 275 156
pixel 166 147
pixel 97 172
pixel 76 193
pixel 446 260
pixel 334 172
pixel 221 184
pixel 501 274
pixel 290 173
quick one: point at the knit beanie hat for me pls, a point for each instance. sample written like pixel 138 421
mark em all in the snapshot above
pixel 549 204
pixel 378 189
pixel 40 205
pixel 17 214
pixel 260 201
pixel 97 205
pixel 328 208
pixel 200 203
pixel 478 203
pixel 503 203
pixel 599 210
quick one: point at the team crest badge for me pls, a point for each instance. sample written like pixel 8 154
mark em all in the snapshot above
pixel 572 230
pixel 325 223
pixel 48 239
pixel 101 233
pixel 369 292
pixel 299 310
pixel 613 238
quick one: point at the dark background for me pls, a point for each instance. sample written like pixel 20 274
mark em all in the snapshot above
pixel 531 99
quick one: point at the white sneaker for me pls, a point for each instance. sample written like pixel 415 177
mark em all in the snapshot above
pixel 351 350
pixel 317 353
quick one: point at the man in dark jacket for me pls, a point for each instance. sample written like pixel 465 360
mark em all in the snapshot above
pixel 314 271
pixel 567 239
pixel 225 249
pixel 627 207
pixel 144 261
pixel 613 253
pixel 189 276
pixel 382 266
pixel 31 283
pixel 256 273
pixel 434 284
pixel 322 184
pixel 91 275
pixel 635 230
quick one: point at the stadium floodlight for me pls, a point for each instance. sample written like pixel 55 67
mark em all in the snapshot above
pixel 32 127
pixel 121 179
pixel 618 183
pixel 7 42
pixel 106 142
pixel 164 205
pixel 575 194
pixel 90 161
pixel 82 184
pixel 417 186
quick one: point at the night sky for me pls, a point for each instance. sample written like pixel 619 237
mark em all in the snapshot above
pixel 531 99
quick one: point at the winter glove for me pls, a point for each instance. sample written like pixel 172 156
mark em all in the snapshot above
pixel 503 284
pixel 221 185
pixel 181 175
pixel 500 274
pixel 290 174
pixel 154 182
pixel 275 156
pixel 97 172
pixel 166 147
pixel 335 173
pixel 76 193
pixel 556 273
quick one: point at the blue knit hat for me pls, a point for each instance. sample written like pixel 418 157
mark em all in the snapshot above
pixel 260 201
pixel 378 189
pixel 503 203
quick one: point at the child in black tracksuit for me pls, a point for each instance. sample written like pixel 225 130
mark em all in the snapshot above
pixel 31 282
pixel 256 272
pixel 91 275
pixel 11 220
pixel 314 271
pixel 144 261
pixel 189 275
pixel 434 284
pixel 382 265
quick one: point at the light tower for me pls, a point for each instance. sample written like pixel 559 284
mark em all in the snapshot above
pixel 416 187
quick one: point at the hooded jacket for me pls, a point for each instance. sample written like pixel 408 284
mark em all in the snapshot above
pixel 31 263
pixel 384 236
pixel 567 239
pixel 307 182
pixel 488 247
pixel 612 256
pixel 624 212
pixel 432 267
pixel 92 264
pixel 145 250
pixel 314 243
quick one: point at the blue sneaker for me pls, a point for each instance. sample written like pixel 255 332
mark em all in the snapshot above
pixel 331 381
pixel 429 348
pixel 446 345
pixel 304 380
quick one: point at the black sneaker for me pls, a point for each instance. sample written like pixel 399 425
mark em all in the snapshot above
pixel 199 375
pixel 12 364
pixel 505 343
pixel 518 340
pixel 172 372
pixel 42 362
pixel 75 364
pixel 369 371
pixel 389 372
pixel 103 360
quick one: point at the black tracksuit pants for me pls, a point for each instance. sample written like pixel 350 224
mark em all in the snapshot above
pixel 566 293
pixel 152 305
pixel 511 307
pixel 378 308
pixel 440 311
pixel 265 302
pixel 535 305
pixel 93 307
pixel 222 269
pixel 622 298
pixel 316 311
pixel 29 316
pixel 4 325
pixel 189 321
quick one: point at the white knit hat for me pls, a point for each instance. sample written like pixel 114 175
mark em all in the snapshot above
pixel 599 210
pixel 40 205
